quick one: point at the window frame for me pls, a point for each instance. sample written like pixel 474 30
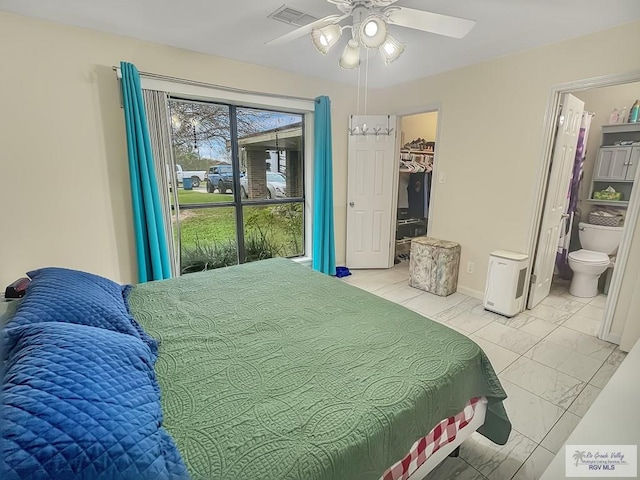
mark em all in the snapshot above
pixel 305 108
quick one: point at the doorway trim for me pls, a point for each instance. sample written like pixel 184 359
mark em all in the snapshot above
pixel 435 107
pixel 633 210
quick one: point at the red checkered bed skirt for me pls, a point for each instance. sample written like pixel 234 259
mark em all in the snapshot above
pixel 443 433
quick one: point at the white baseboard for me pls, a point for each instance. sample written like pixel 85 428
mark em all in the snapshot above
pixel 613 338
pixel 472 293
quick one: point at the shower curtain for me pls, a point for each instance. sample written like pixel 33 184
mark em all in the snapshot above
pixel 562 257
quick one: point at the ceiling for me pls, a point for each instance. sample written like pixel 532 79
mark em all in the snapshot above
pixel 238 29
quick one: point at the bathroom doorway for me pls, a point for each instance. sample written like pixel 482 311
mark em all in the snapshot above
pixel 598 215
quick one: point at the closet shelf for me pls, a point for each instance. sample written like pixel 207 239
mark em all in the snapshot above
pixel 420 152
pixel 403 241
pixel 600 180
pixel 408 170
pixel 410 220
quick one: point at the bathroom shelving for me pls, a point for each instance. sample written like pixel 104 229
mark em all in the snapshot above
pixel 612 203
pixel 617 163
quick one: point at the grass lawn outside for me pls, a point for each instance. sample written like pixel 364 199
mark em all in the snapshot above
pixel 191 197
pixel 207 226
pixel 275 230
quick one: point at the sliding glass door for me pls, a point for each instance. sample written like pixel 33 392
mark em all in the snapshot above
pixel 249 204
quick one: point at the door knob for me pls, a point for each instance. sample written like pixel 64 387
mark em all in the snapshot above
pixel 351 204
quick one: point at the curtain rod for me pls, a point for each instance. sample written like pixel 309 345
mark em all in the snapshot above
pixel 158 76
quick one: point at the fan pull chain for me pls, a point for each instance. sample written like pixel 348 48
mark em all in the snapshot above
pixel 366 83
pixel 358 90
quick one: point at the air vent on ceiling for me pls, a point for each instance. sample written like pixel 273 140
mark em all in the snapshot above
pixel 292 16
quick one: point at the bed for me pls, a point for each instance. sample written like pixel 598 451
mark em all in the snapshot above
pixel 269 370
pixel 270 367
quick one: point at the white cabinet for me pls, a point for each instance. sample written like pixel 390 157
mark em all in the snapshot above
pixel 616 164
pixel 612 164
pixel 632 166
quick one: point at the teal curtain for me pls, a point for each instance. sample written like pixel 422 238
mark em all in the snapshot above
pixel 151 244
pixel 324 250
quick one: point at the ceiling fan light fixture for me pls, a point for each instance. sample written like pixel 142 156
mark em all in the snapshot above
pixel 391 49
pixel 351 56
pixel 373 31
pixel 326 37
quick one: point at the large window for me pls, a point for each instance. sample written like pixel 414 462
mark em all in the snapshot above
pixel 240 184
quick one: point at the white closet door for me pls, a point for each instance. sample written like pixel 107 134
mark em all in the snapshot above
pixel 370 190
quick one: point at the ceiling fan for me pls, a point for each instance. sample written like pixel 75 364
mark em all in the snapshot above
pixel 370 28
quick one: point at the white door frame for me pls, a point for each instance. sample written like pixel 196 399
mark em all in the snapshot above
pixel 634 203
pixel 428 108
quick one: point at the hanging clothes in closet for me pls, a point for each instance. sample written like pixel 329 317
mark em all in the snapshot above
pixel 416 164
pixel 427 193
pixel 403 191
pixel 416 195
pixel 419 186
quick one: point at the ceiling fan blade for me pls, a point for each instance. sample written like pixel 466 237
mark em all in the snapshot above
pixel 449 26
pixel 306 29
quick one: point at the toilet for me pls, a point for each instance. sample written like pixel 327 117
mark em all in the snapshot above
pixel 598 243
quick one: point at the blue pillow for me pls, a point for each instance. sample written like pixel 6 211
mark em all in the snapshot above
pixel 82 402
pixel 63 295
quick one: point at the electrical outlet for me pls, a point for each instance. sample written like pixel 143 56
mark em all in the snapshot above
pixel 442 177
pixel 470 266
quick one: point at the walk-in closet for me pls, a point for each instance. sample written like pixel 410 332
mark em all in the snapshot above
pixel 417 134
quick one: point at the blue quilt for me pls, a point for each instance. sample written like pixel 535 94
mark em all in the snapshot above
pixel 81 402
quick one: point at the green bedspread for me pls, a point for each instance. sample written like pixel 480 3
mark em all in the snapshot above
pixel 272 371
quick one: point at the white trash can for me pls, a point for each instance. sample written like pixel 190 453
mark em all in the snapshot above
pixel 506 281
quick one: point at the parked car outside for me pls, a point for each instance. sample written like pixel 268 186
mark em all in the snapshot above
pixel 276 186
pixel 220 178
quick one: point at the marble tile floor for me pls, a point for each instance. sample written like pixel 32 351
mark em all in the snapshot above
pixel 548 359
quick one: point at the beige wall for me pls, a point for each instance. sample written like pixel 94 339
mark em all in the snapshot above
pixel 63 154
pixel 601 101
pixel 491 135
pixel 422 125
